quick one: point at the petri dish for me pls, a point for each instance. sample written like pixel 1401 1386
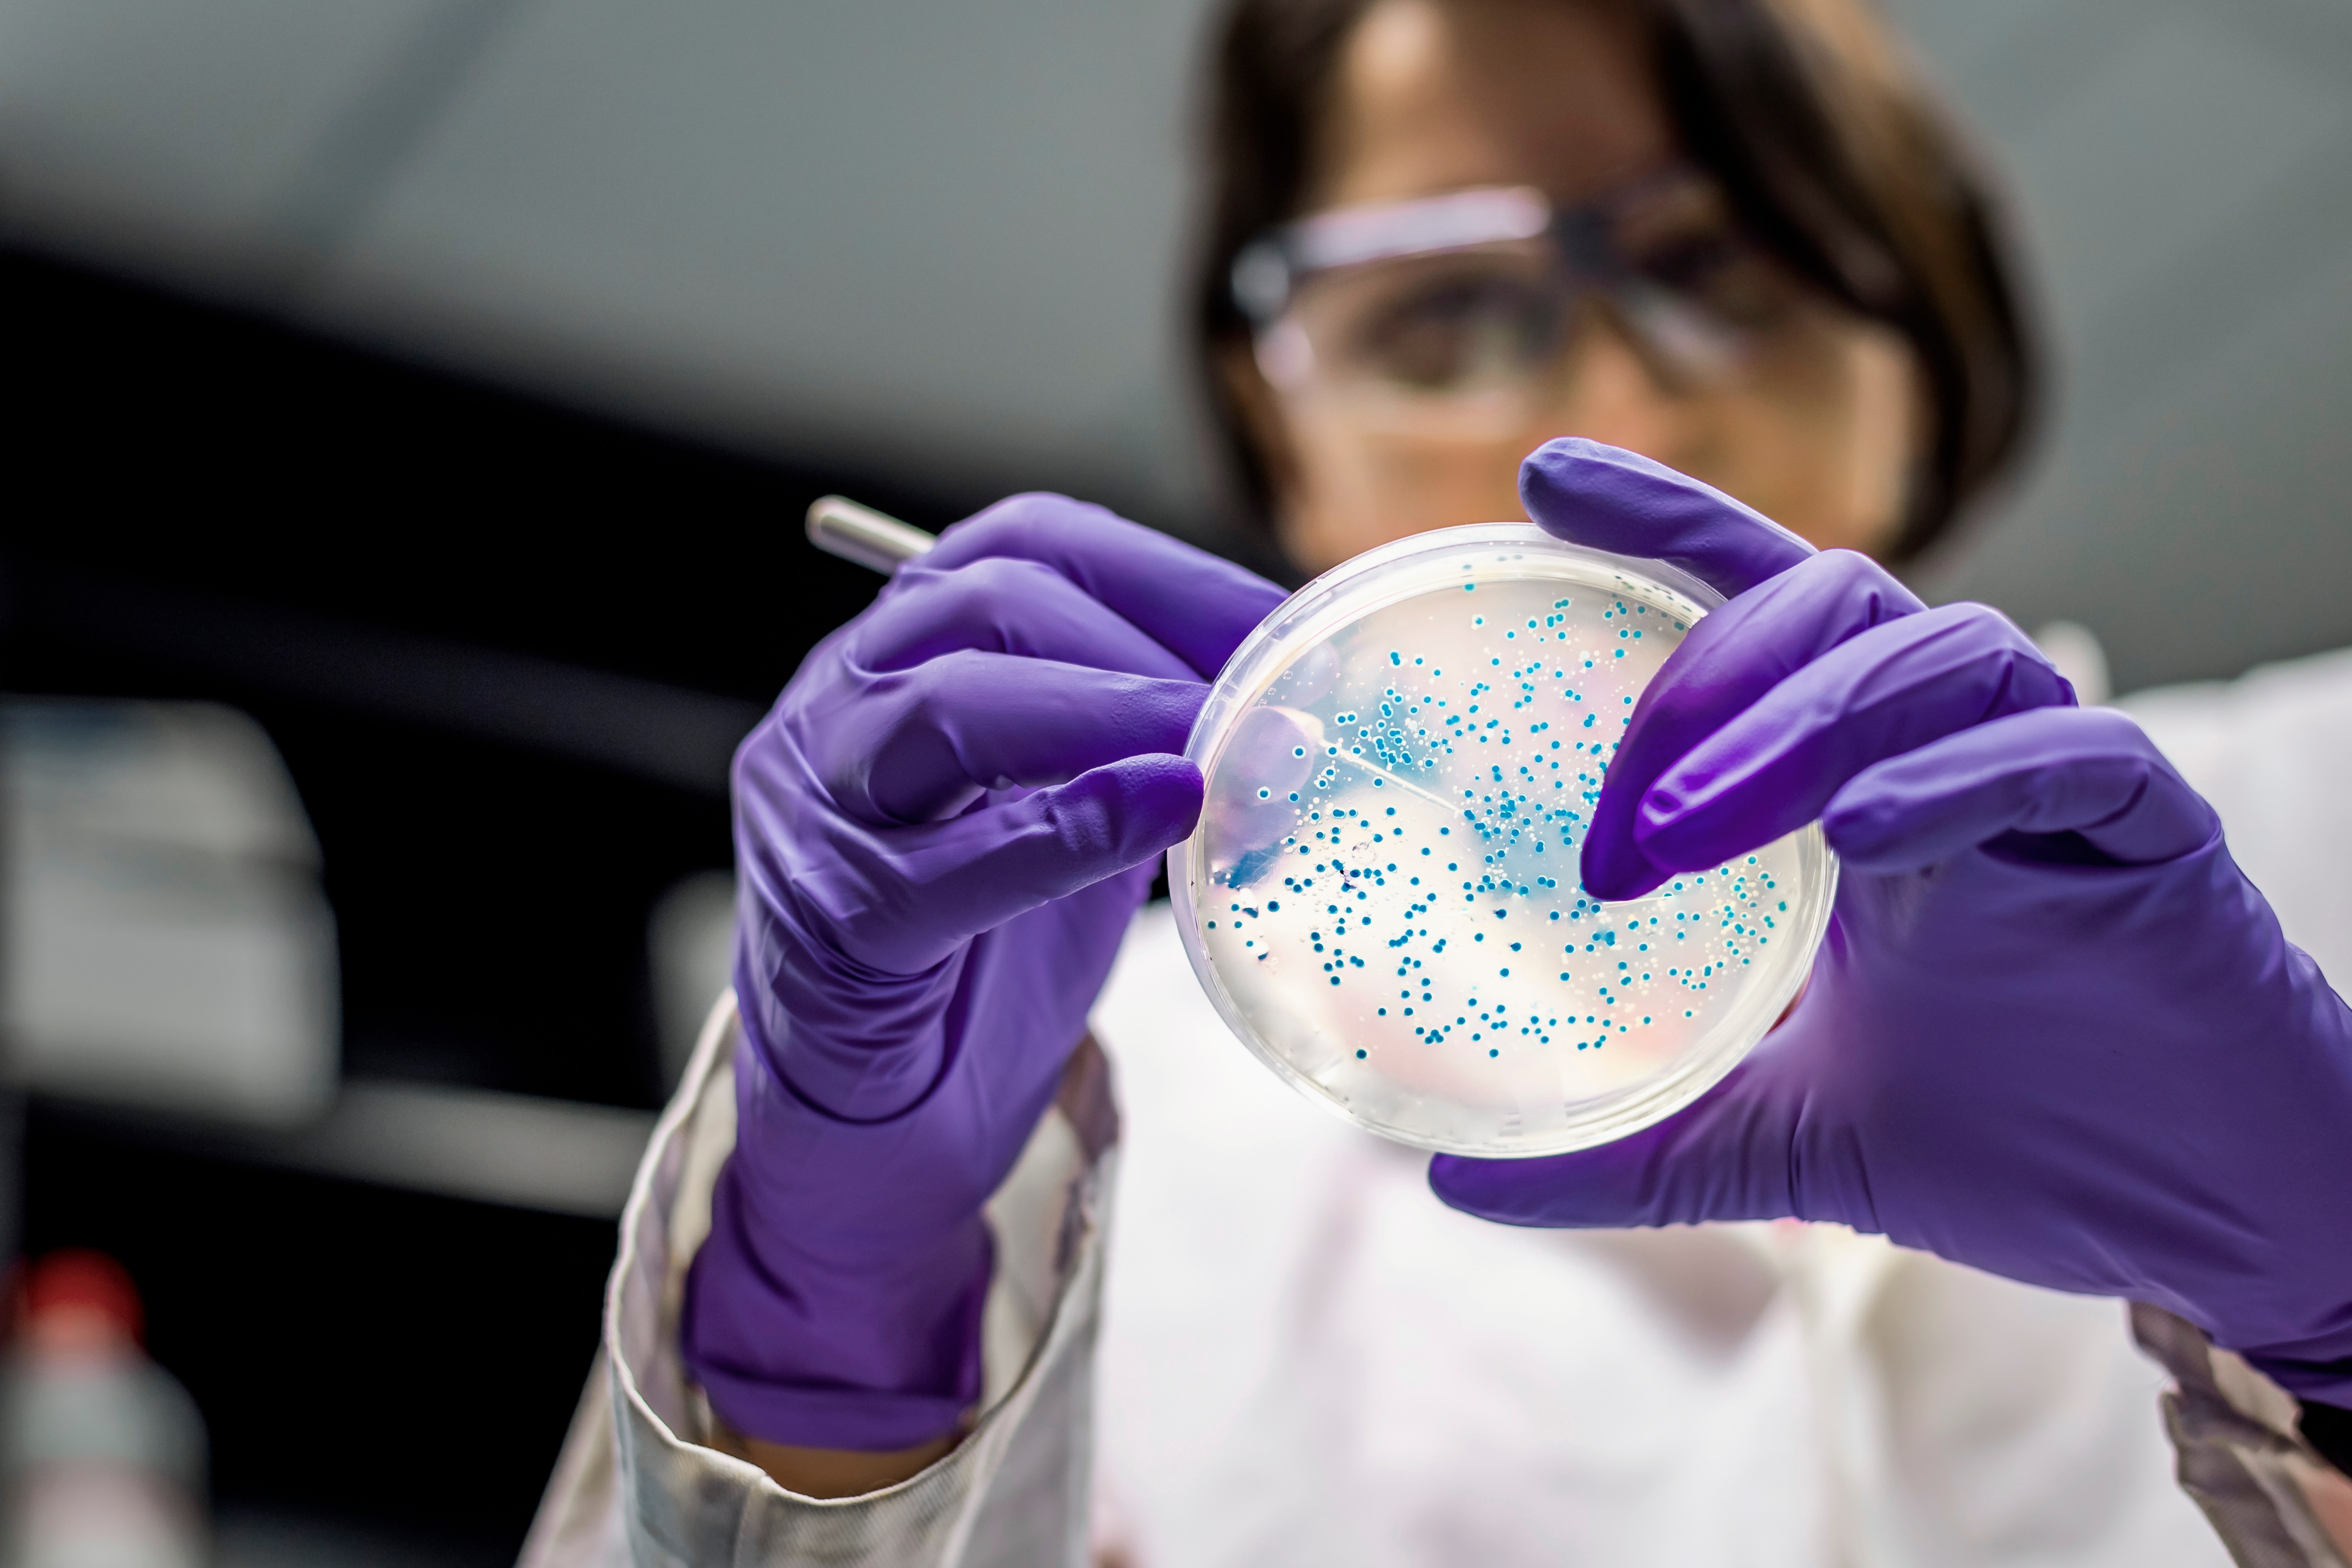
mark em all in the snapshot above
pixel 1382 897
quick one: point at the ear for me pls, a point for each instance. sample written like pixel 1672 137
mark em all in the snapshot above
pixel 1266 428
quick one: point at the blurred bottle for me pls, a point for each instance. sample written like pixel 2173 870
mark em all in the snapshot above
pixel 101 1451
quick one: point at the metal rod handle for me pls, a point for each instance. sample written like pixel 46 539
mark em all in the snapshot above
pixel 839 526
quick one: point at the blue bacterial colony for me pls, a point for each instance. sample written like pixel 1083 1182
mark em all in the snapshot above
pixel 1386 875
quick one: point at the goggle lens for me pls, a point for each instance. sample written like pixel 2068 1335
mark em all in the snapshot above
pixel 1472 328
pixel 1454 324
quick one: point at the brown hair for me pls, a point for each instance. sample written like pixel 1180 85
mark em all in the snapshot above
pixel 1831 152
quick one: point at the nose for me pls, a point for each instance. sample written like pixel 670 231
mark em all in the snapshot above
pixel 1614 388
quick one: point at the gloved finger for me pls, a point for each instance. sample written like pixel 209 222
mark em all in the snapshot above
pixel 1724 1157
pixel 916 894
pixel 1004 604
pixel 1729 660
pixel 1612 500
pixel 1182 598
pixel 926 742
pixel 1771 768
pixel 2087 771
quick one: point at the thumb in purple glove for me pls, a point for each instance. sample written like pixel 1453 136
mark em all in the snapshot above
pixel 2053 1032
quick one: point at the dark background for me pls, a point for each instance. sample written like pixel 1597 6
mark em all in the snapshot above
pixel 211 506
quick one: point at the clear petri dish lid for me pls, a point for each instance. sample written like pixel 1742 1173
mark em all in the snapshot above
pixel 1382 897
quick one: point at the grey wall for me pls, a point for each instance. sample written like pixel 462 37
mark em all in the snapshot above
pixel 2183 176
pixel 894 230
pixel 912 233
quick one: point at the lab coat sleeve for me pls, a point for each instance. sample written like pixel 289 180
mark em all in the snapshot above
pixel 638 1484
pixel 2274 1501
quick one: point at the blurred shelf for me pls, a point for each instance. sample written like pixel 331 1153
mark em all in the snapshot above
pixel 525 1152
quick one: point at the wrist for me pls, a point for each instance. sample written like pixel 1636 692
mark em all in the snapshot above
pixel 833 1472
pixel 2325 1382
pixel 795 1346
pixel 2306 1351
pixel 854 1046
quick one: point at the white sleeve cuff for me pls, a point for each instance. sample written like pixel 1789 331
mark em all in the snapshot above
pixel 636 1483
pixel 2274 1500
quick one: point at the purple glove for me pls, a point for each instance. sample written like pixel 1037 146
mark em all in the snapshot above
pixel 2053 1031
pixel 921 928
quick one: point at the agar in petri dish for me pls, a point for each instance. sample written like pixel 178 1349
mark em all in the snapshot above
pixel 1383 897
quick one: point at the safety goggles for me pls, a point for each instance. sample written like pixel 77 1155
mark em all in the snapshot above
pixel 1463 314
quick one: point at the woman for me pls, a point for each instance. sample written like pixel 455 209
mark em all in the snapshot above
pixel 1729 236
pixel 1855 367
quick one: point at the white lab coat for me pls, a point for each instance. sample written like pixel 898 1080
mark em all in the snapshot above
pixel 1277 1349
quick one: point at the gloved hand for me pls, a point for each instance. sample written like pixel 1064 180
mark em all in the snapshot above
pixel 2053 1031
pixel 942 832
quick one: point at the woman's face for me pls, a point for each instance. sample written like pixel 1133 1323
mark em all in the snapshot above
pixel 1816 429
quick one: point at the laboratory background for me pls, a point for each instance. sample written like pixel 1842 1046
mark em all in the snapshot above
pixel 411 409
